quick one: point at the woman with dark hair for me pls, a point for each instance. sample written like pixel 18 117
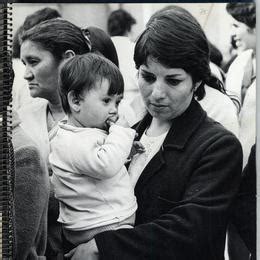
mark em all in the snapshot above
pixel 241 81
pixel 241 76
pixel 214 100
pixel 20 93
pixel 43 49
pixel 190 171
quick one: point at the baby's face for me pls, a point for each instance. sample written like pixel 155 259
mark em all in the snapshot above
pixel 97 107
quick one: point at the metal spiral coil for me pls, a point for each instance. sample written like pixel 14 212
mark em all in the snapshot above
pixel 6 150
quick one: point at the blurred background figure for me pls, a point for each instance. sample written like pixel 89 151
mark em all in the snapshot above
pixel 119 27
pixel 21 94
pixel 240 78
pixel 241 81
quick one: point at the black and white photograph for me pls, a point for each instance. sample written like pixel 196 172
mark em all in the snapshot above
pixel 134 131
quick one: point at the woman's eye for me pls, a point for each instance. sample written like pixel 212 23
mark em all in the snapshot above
pixel 173 82
pixel 33 62
pixel 148 78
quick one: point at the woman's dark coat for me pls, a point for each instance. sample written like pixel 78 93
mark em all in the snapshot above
pixel 184 194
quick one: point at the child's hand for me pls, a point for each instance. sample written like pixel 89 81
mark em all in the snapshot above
pixel 136 148
pixel 112 120
pixel 122 122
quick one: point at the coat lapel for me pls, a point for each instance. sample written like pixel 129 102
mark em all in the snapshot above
pixel 181 130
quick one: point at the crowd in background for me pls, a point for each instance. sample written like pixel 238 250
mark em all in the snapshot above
pixel 228 97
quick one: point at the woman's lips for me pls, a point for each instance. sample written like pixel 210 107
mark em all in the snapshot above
pixel 31 85
pixel 157 105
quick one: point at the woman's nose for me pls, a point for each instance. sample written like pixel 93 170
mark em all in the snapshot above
pixel 28 75
pixel 158 92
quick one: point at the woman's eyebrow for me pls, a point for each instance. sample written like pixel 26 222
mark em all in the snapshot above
pixel 174 75
pixel 145 71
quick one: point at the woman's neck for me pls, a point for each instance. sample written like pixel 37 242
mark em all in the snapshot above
pixel 158 127
pixel 56 111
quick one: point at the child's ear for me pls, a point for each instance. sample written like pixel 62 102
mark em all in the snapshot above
pixel 74 102
pixel 68 54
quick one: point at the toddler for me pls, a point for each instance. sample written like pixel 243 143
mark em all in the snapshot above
pixel 89 151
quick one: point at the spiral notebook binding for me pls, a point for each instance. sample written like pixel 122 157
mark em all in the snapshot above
pixel 6 150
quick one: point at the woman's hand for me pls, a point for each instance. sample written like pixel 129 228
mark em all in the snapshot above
pixel 86 251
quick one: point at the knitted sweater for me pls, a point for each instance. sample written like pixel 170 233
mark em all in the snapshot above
pixel 31 193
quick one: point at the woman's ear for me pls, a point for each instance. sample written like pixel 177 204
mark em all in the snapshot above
pixel 74 102
pixel 196 85
pixel 68 54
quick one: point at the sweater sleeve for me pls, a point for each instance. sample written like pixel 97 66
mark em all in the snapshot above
pixel 192 224
pixel 104 158
pixel 31 200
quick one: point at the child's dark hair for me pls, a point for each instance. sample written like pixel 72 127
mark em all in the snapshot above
pixel 81 72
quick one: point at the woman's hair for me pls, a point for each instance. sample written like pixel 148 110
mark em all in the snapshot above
pixel 243 12
pixel 40 16
pixel 30 21
pixel 215 55
pixel 16 43
pixel 80 73
pixel 120 22
pixel 101 43
pixel 175 39
pixel 57 36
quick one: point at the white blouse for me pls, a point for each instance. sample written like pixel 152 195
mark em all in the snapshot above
pixel 152 145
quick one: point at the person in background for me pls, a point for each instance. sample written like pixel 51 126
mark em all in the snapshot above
pixel 20 91
pixel 190 171
pixel 241 81
pixel 241 76
pixel 119 27
pixel 44 48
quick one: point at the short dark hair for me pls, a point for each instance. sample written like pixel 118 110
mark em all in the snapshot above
pixel 30 21
pixel 81 72
pixel 101 43
pixel 120 22
pixel 40 16
pixel 175 39
pixel 16 43
pixel 243 12
pixel 57 36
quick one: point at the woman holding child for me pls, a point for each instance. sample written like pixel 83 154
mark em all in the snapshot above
pixel 190 171
pixel 43 49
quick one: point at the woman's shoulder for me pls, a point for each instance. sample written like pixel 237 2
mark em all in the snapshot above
pixel 240 61
pixel 211 130
pixel 35 105
pixel 221 108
